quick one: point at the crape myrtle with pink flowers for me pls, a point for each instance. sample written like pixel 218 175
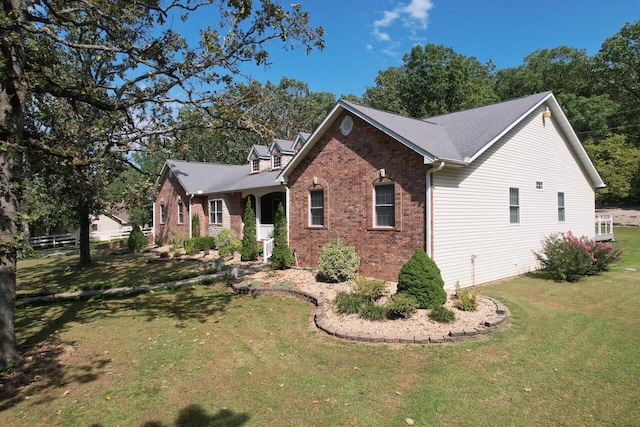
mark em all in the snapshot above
pixel 568 258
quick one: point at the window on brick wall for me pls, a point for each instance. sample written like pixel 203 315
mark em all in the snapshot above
pixel 385 205
pixel 514 205
pixel 180 212
pixel 561 207
pixel 316 207
pixel 163 213
pixel 215 211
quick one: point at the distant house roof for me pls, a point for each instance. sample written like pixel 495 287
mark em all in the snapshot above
pixel 458 137
pixel 208 178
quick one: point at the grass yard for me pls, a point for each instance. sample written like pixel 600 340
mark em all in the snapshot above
pixel 110 270
pixel 199 356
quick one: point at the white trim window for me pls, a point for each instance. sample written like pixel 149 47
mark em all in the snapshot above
pixel 561 207
pixel 316 208
pixel 276 161
pixel 180 212
pixel 539 185
pixel 255 165
pixel 385 205
pixel 163 213
pixel 215 211
pixel 514 205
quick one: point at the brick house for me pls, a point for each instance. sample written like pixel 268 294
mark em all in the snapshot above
pixel 477 190
pixel 217 194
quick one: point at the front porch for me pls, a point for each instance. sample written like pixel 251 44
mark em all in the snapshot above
pixel 604 228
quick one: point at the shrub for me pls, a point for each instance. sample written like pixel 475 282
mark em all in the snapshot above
pixel 370 289
pixel 372 311
pixel 227 243
pixel 347 303
pixel 420 277
pixel 465 299
pixel 195 225
pixel 204 243
pixel 281 257
pixel 159 241
pixel 338 262
pixel 442 314
pixel 568 258
pixel 401 306
pixel 190 247
pixel 249 251
pixel 164 254
pixel 137 240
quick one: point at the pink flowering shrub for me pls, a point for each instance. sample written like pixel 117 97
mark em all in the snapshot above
pixel 567 257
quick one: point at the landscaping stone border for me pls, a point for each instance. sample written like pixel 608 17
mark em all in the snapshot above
pixel 457 334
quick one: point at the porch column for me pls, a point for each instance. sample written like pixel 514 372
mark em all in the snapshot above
pixel 258 217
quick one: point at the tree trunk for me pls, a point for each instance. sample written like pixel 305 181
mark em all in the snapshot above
pixel 85 250
pixel 12 95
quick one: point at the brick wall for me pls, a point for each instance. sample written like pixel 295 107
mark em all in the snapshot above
pixel 347 168
pixel 170 192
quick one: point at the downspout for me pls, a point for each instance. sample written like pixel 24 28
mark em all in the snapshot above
pixel 190 217
pixel 429 210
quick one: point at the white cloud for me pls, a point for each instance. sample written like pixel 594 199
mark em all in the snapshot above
pixel 413 15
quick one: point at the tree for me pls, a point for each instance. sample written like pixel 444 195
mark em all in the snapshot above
pixel 132 64
pixel 281 258
pixel 433 80
pixel 249 251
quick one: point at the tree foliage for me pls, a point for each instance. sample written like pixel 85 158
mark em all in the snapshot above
pixel 123 64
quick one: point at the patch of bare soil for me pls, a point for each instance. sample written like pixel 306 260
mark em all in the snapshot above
pixel 418 324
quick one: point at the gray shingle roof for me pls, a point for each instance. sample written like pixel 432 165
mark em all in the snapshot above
pixel 454 136
pixel 209 178
pixel 284 146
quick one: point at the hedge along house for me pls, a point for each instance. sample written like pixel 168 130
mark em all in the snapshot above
pixel 217 193
pixel 478 190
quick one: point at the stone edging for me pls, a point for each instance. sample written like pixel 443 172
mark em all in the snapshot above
pixel 456 334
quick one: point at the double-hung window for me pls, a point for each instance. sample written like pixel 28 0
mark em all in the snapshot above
pixel 277 161
pixel 561 207
pixel 163 213
pixel 255 165
pixel 316 207
pixel 215 211
pixel 514 205
pixel 180 212
pixel 385 205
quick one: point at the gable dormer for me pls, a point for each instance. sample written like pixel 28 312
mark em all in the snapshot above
pixel 281 151
pixel 300 140
pixel 259 159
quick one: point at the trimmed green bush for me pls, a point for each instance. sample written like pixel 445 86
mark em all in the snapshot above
pixel 137 239
pixel 442 314
pixel 204 243
pixel 281 258
pixel 465 299
pixel 227 243
pixel 338 262
pixel 347 303
pixel 370 289
pixel 420 277
pixel 249 251
pixel 401 306
pixel 372 311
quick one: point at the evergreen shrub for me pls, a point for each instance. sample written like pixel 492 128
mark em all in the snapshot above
pixel 370 289
pixel 249 251
pixel 137 240
pixel 420 277
pixel 281 258
pixel 338 262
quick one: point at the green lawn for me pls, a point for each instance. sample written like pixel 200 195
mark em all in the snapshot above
pixel 197 356
pixel 110 269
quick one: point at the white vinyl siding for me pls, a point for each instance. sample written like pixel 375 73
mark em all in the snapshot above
pixel 470 212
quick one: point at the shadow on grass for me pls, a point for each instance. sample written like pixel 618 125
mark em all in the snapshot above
pixel 195 415
pixel 42 367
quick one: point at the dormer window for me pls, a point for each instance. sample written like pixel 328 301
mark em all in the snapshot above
pixel 276 161
pixel 255 165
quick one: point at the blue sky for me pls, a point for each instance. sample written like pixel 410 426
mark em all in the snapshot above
pixel 363 37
